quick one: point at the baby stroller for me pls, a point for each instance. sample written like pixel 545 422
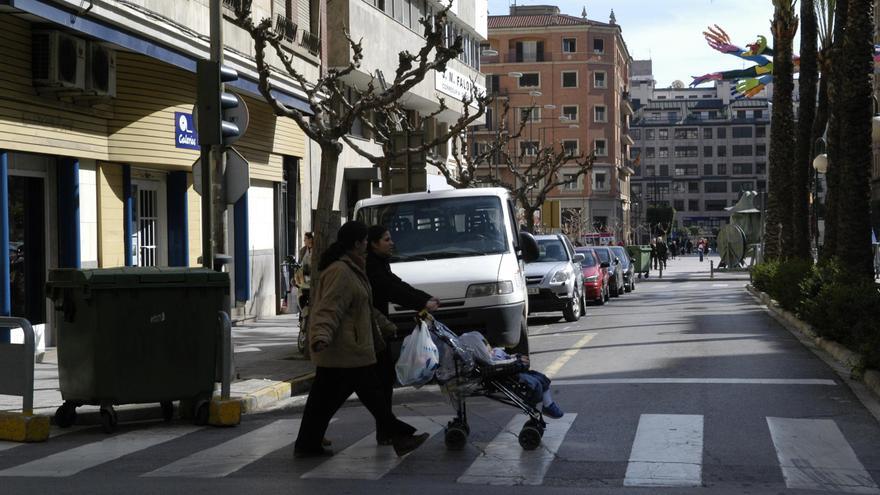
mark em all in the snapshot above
pixel 463 372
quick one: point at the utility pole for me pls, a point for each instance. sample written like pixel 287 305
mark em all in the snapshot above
pixel 213 204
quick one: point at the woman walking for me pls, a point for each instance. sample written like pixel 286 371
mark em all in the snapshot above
pixel 343 333
pixel 389 288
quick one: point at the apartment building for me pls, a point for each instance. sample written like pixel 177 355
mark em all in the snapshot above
pixel 574 73
pixel 696 150
pixel 386 28
pixel 97 144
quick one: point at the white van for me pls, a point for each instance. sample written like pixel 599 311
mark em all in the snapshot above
pixel 464 247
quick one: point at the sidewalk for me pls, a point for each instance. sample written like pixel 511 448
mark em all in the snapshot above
pixel 689 267
pixel 268 368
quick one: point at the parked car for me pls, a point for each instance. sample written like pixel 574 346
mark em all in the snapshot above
pixel 627 267
pixel 595 276
pixel 615 274
pixel 554 281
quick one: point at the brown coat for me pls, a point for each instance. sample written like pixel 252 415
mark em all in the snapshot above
pixel 343 316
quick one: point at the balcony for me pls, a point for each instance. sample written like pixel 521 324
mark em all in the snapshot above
pixel 310 42
pixel 284 27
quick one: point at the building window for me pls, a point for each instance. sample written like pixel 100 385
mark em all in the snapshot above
pixel 598 45
pixel 721 150
pixel 569 79
pixel 707 151
pixel 681 170
pixel 743 150
pixel 662 133
pixel 678 187
pixel 570 146
pixel 493 84
pixel 600 148
pixel 570 112
pixel 664 170
pixel 707 169
pixel 716 187
pixel 649 134
pixel 528 148
pixel 530 114
pixel 634 153
pixel 686 151
pixel 678 204
pixel 722 169
pixel 530 80
pixel 760 131
pixel 649 152
pixel 530 51
pixel 569 45
pixel 707 133
pixel 721 133
pixel 693 205
pixel 600 180
pixel 716 204
pixel 636 134
pixel 599 80
pixel 663 153
pixel 571 182
pixel 761 168
pixel 599 114
pixel 741 132
pixel 693 187
pixel 686 133
pixel 760 150
pixel 742 169
pixel 650 171
pixel 740 186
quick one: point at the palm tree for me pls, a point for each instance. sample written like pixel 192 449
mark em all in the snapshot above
pixel 855 111
pixel 778 231
pixel 801 172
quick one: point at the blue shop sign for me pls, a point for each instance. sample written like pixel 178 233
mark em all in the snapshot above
pixel 185 135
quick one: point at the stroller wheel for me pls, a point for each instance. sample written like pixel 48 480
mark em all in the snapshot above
pixel 530 437
pixel 456 437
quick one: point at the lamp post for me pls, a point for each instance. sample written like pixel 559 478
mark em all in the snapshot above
pixel 820 166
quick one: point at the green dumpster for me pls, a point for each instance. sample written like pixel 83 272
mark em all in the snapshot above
pixel 641 257
pixel 136 335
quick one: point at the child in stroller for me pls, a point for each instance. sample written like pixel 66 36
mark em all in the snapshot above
pixel 467 368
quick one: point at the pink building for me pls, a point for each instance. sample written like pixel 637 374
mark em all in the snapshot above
pixel 574 73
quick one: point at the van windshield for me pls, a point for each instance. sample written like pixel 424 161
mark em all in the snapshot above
pixel 441 228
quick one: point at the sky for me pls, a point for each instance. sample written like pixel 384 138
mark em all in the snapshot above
pixel 669 32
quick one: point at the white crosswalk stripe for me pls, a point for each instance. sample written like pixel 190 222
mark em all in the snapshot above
pixel 814 455
pixel 233 455
pixel 504 462
pixel 365 460
pixel 70 462
pixel 667 451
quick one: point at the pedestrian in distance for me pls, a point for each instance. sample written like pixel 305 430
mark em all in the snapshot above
pixel 389 288
pixel 343 328
pixel 662 252
pixel 303 275
pixel 654 259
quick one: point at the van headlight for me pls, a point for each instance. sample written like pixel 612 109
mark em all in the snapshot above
pixel 490 289
pixel 561 276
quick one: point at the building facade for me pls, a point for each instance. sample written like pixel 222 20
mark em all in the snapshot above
pixel 573 73
pixel 696 150
pixel 97 145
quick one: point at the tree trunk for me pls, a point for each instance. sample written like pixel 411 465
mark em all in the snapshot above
pixel 836 76
pixel 778 230
pixel 327 220
pixel 854 236
pixel 802 171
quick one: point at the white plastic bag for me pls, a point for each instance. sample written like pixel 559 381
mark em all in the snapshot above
pixel 419 357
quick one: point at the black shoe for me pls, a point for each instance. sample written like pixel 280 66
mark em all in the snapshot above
pixel 404 428
pixel 383 439
pixel 308 453
pixel 405 445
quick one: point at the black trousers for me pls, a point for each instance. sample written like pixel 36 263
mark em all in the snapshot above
pixel 332 386
pixel 387 378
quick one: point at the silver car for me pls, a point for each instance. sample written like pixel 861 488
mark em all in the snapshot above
pixel 555 280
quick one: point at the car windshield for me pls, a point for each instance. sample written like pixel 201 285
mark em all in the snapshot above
pixel 621 253
pixel 441 228
pixel 551 250
pixel 589 259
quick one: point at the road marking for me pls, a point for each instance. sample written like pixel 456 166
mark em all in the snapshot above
pixel 229 457
pixel 78 459
pixel 365 460
pixel 720 285
pixel 667 451
pixel 720 381
pixel 556 365
pixel 504 462
pixel 814 455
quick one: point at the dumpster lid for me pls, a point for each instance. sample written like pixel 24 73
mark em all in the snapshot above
pixel 136 275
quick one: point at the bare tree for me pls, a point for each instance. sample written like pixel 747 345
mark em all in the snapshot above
pixel 335 105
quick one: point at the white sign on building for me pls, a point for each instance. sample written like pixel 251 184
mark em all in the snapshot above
pixel 456 84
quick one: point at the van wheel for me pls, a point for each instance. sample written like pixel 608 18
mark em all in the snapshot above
pixel 523 346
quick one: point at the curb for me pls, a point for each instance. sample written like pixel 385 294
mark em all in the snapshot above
pixel 264 397
pixel 845 357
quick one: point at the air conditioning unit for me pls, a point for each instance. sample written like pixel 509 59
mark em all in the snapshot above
pixel 101 70
pixel 58 60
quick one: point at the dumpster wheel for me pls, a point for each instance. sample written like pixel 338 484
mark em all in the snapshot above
pixel 109 419
pixel 65 416
pixel 167 410
pixel 201 413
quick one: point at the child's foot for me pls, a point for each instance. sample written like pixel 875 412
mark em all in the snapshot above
pixel 553 411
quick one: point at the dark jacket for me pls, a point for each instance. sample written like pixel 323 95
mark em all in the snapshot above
pixel 389 288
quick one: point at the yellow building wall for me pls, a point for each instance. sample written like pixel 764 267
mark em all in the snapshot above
pixel 41 124
pixel 111 248
pixel 194 213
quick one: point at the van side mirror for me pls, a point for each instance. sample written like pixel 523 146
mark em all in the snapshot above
pixel 528 247
pixel 604 264
pixel 579 258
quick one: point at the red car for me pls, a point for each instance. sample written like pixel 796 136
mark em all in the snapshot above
pixel 595 277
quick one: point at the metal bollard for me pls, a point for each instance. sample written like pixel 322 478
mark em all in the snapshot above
pixel 711 269
pixel 13 357
pixel 225 354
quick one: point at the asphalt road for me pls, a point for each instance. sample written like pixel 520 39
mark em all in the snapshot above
pixel 679 387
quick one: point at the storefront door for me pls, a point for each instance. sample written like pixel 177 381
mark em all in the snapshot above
pixel 27 247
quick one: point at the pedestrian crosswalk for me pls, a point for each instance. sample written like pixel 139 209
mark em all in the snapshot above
pixel 664 450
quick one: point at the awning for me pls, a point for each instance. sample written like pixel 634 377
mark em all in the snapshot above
pixel 362 173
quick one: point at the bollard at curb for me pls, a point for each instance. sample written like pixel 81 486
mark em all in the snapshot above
pixel 17 378
pixel 711 269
